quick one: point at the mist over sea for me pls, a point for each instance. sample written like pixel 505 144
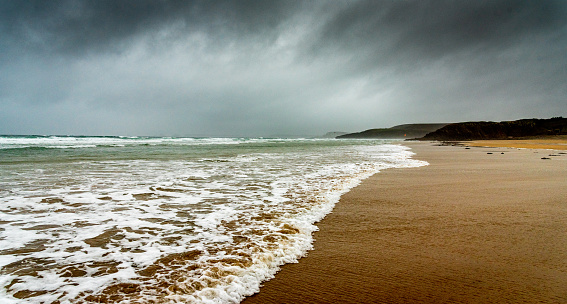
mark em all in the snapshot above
pixel 147 219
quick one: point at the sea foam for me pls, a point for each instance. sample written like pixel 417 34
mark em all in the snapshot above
pixel 181 220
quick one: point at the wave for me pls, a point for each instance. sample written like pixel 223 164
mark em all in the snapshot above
pixel 79 142
pixel 207 229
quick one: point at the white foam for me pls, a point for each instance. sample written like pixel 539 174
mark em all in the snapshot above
pixel 152 208
pixel 71 142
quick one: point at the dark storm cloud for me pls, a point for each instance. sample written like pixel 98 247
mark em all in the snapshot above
pixel 392 31
pixel 276 67
pixel 77 26
pixel 483 57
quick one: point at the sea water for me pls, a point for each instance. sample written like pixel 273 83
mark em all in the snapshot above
pixel 167 220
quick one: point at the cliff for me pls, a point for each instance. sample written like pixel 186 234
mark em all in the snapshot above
pixel 396 132
pixel 499 130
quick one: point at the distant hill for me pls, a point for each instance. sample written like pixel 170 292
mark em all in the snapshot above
pixel 397 132
pixel 499 130
pixel 332 134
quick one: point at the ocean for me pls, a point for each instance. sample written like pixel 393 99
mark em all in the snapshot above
pixel 167 220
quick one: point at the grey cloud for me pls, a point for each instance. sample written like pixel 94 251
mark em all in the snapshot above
pixel 415 32
pixel 441 26
pixel 72 26
pixel 276 67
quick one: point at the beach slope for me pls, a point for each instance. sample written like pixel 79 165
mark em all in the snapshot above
pixel 478 225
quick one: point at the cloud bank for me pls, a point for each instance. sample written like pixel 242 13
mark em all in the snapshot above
pixel 264 68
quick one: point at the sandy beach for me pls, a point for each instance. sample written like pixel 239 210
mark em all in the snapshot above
pixel 478 225
pixel 558 142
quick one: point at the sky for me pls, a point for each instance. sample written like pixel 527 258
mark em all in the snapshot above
pixel 276 68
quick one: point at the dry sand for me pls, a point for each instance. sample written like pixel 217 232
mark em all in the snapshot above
pixel 558 142
pixel 471 227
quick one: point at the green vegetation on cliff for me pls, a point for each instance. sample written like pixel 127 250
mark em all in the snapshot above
pixel 401 131
pixel 499 130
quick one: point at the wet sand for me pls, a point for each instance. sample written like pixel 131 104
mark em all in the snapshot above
pixel 471 227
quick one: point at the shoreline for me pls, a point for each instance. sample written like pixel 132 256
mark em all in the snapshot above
pixel 478 225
